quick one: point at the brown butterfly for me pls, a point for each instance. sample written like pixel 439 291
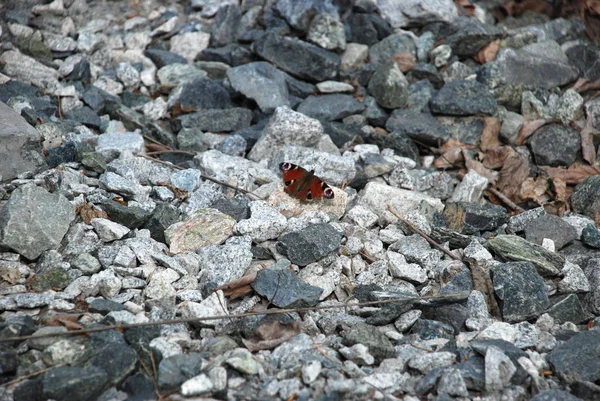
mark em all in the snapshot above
pixel 302 184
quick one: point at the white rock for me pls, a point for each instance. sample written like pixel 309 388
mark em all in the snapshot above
pixel 399 268
pixel 214 305
pixel 109 230
pixel 362 216
pixel 189 44
pixel 334 87
pixel 499 369
pixel 196 385
pixel 265 222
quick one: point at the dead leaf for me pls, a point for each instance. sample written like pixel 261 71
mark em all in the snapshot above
pixel 466 6
pixel 490 133
pixel 451 154
pixel 573 175
pixel 494 157
pixel 70 321
pixel 515 170
pixel 488 53
pixel 270 335
pixel 10 274
pixel 180 193
pixel 405 61
pixel 239 287
pixel 479 168
pixel 535 188
pixel 587 142
pixel 87 212
pixel 529 129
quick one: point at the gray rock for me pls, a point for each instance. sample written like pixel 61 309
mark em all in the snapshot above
pixel 300 14
pixel 173 75
pixel 108 230
pixel 469 218
pixel 472 35
pixel 199 94
pixel 265 222
pixel 567 308
pixel 176 369
pixel 524 67
pixel 204 227
pixel 420 12
pixel 577 359
pixel 463 98
pixel 452 383
pixel 425 363
pixel 327 31
pixel 111 145
pixel 284 289
pixel 555 395
pixel 21 147
pixel 27 69
pixel 521 289
pixel 552 227
pixel 378 344
pixel 311 244
pixel 389 86
pixel 215 120
pixel 74 383
pixel 583 56
pixel 419 126
pixel 465 129
pixel 512 247
pixel 286 127
pixel 555 145
pixel 520 221
pixel 34 220
pixel 221 264
pixel 224 29
pixel 499 369
pixel 299 58
pixel 261 82
pixel 330 107
pixel 395 44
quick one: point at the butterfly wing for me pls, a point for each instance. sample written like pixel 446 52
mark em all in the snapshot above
pixel 303 184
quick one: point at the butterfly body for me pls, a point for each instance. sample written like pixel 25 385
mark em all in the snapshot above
pixel 304 184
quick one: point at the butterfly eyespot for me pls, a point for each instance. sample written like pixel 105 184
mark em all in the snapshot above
pixel 285 166
pixel 328 193
pixel 309 196
pixel 288 183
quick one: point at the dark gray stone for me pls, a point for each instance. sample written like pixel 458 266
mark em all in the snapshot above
pixel 284 289
pixel 430 329
pixel 379 345
pixel 215 120
pixel 261 82
pixel 139 387
pixel 117 359
pixel 590 236
pixel 201 94
pixel 552 227
pixel 463 98
pixel 65 153
pixel 399 141
pixel 299 14
pixel 473 372
pixel 330 107
pixel 85 116
pixel 231 54
pixel 470 218
pixel 21 148
pixel 391 46
pixel 421 127
pixel 341 133
pixel 161 218
pixel 585 390
pixel 105 306
pixel 554 395
pixel 236 207
pixel 96 98
pixel 429 381
pixel 226 24
pixel 462 282
pixel 533 70
pixel 176 369
pixel 163 57
pixel 34 221
pixel 311 243
pixel 555 145
pixel 233 145
pixel 389 86
pixel 419 95
pixel 74 383
pixel 129 216
pixel 29 390
pixel 585 57
pixel 15 88
pixel 299 58
pixel 471 36
pixel 577 359
pixel 366 28
pixel 426 71
pixel 465 129
pixel 521 290
pixel 508 349
pixel 567 308
pixel 585 198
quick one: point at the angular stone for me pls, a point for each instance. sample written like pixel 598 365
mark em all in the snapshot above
pixel 513 247
pixel 463 98
pixel 330 107
pixel 577 359
pixel 521 289
pixel 555 145
pixel 311 244
pixel 285 290
pixel 215 120
pixel 204 227
pixel 261 82
pixel 469 218
pixel 389 86
pixel 34 221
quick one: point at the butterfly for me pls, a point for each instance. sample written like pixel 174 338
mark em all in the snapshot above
pixel 303 184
